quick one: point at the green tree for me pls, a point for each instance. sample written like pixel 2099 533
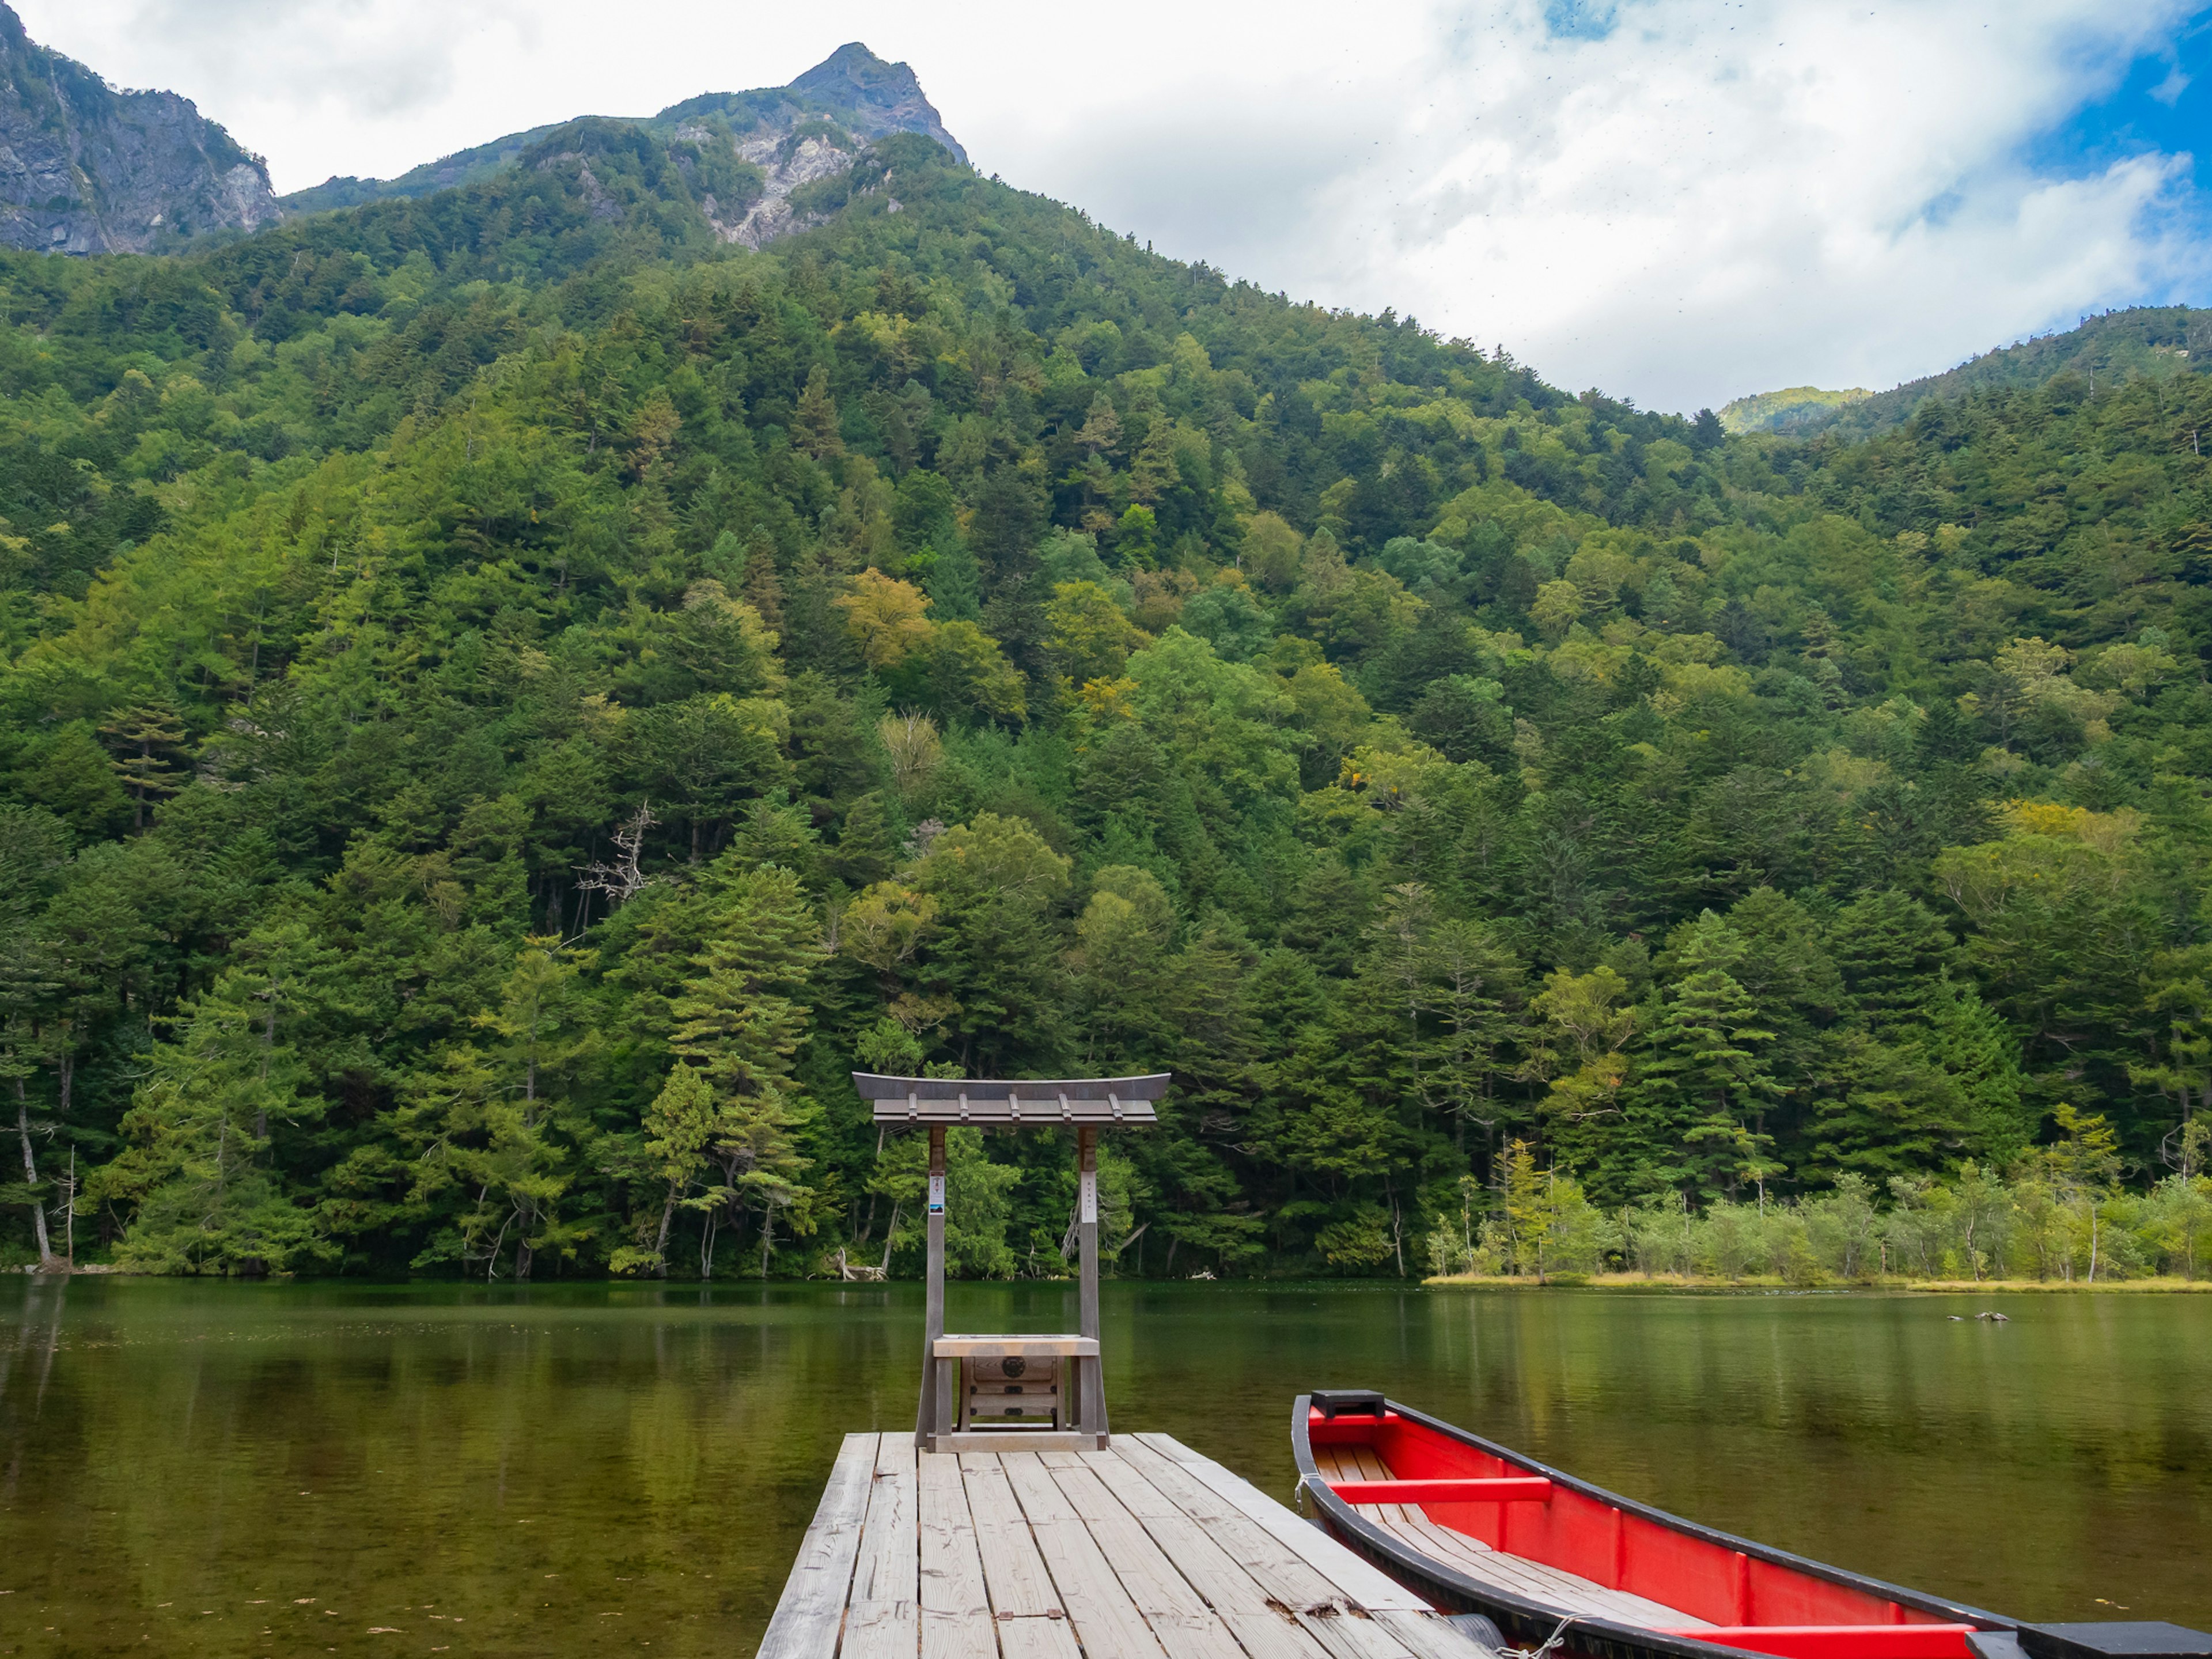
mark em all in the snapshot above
pixel 2082 1168
pixel 1124 938
pixel 546 1025
pixel 995 883
pixel 1577 1048
pixel 1704 1084
pixel 707 753
pixel 195 1171
pixel 679 1127
pixel 739 1020
pixel 146 738
pixel 1470 981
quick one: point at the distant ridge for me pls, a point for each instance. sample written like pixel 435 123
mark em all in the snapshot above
pixel 2156 341
pixel 858 95
pixel 1788 410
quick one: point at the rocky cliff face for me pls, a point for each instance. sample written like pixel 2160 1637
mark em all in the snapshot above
pixel 87 169
pixel 786 162
pixel 781 138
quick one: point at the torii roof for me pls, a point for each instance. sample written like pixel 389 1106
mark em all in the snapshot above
pixel 1007 1101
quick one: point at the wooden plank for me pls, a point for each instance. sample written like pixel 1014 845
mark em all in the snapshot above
pixel 1338 1464
pixel 1338 1625
pixel 1014 1440
pixel 1430 1637
pixel 1537 1580
pixel 1366 1464
pixel 811 1608
pixel 1506 1573
pixel 1090 1381
pixel 1149 1085
pixel 956 1607
pixel 1280 1571
pixel 1038 1638
pixel 883 1620
pixel 1106 1619
pixel 1364 1583
pixel 1186 1625
pixel 1002 1345
pixel 1103 1101
pixel 1262 1622
pixel 1014 1571
pixel 1455 1547
pixel 934 1411
pixel 1173 1450
pixel 889 1565
pixel 880 1630
pixel 990 1111
pixel 1025 1607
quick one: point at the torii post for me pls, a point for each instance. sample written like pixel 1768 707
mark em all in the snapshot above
pixel 1005 1376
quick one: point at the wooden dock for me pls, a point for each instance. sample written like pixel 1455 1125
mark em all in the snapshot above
pixel 1142 1551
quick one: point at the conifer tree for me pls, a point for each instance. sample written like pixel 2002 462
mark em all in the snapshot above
pixel 544 1020
pixel 147 737
pixel 814 426
pixel 955 584
pixel 1101 428
pixel 196 1170
pixel 1154 472
pixel 679 1126
pixel 738 1023
pixel 1888 947
pixel 764 587
pixel 1704 1082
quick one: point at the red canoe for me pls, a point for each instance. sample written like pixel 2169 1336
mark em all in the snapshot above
pixel 1553 1563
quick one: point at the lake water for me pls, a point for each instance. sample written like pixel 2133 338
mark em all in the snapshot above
pixel 231 1469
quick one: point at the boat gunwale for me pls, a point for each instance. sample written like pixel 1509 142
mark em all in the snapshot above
pixel 1540 1621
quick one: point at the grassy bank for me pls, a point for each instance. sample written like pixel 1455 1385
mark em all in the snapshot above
pixel 1700 1282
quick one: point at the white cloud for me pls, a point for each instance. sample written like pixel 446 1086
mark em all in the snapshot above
pixel 1708 199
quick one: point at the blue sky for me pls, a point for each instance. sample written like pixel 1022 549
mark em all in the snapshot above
pixel 2162 102
pixel 1681 201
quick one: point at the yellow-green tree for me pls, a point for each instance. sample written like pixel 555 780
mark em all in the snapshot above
pixel 740 1022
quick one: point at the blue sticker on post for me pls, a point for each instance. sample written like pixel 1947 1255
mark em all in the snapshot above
pixel 936 1195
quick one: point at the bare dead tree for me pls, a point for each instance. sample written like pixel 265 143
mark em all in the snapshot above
pixel 621 880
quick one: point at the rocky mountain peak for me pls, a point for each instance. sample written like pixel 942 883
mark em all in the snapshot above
pixel 882 97
pixel 87 169
pixel 783 139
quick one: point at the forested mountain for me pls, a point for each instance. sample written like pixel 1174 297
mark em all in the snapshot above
pixel 2156 342
pixel 783 137
pixel 507 698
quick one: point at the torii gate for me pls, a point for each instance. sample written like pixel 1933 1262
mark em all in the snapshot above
pixel 1025 1384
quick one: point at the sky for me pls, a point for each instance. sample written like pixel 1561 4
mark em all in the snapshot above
pixel 1677 201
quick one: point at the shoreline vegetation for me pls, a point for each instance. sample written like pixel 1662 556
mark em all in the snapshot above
pixel 2057 1218
pixel 1709 1283
pixel 1640 1283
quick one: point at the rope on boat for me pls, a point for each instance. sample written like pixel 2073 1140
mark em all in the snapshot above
pixel 1549 1642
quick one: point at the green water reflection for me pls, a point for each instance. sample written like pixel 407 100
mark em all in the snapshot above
pixel 247 1470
